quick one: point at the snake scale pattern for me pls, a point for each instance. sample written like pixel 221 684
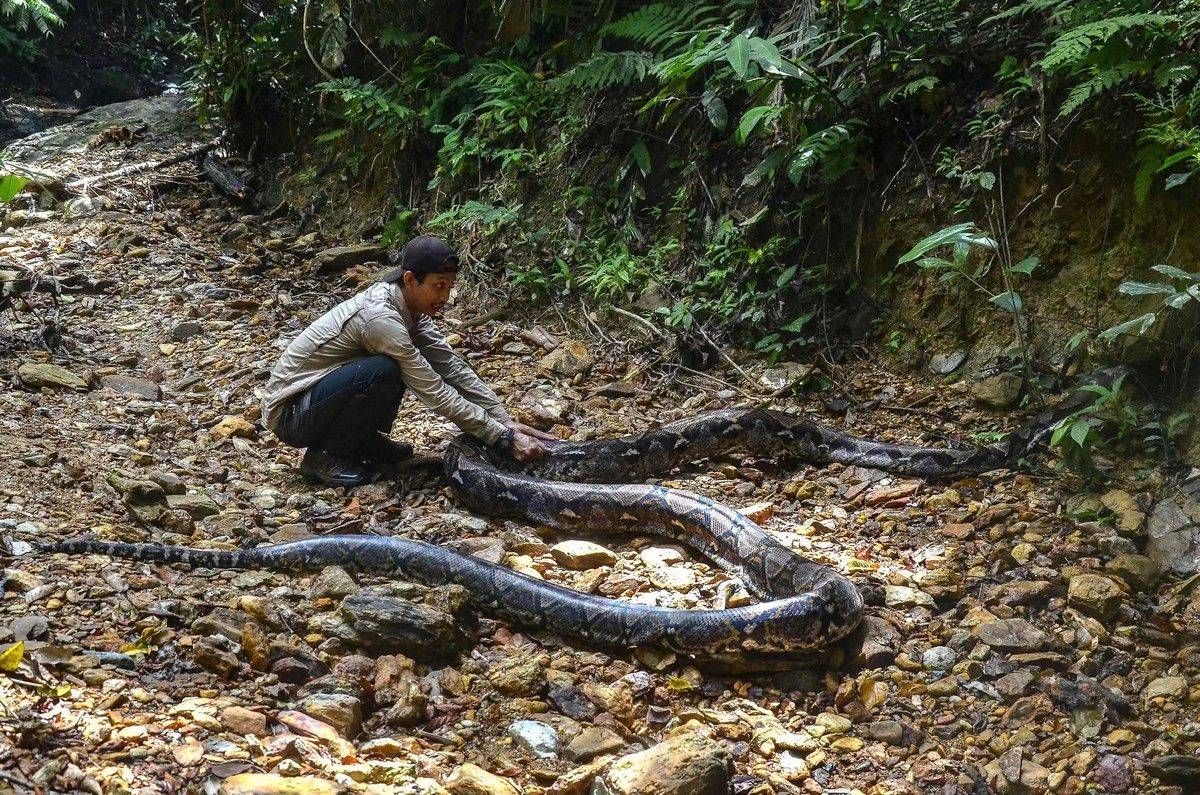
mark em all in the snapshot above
pixel 803 607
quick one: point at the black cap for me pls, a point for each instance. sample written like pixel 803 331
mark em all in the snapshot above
pixel 422 255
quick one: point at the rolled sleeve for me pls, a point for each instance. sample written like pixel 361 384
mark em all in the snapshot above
pixel 388 336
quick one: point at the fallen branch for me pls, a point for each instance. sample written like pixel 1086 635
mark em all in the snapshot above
pixel 226 180
pixel 86 183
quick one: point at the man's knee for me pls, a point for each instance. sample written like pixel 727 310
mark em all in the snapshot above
pixel 381 371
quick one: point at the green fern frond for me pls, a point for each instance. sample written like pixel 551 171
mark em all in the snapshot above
pixel 658 25
pixel 1071 48
pixel 605 70
pixel 1102 81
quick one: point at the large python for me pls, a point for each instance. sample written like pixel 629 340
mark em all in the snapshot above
pixel 804 606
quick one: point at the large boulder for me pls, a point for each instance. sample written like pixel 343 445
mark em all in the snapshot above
pixel 1173 538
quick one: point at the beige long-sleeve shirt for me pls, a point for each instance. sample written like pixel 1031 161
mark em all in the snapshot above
pixel 377 321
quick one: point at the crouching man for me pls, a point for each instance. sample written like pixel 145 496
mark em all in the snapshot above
pixel 337 387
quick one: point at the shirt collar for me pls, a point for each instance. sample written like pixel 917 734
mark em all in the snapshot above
pixel 396 296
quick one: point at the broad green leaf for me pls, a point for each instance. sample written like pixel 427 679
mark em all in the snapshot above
pixel 1079 433
pixel 1175 180
pixel 714 108
pixel 1137 326
pixel 766 53
pixel 751 119
pixel 10 186
pixel 797 325
pixel 1059 432
pixel 987 180
pixel 1077 340
pixel 1026 266
pixel 1009 301
pixel 786 276
pixel 942 237
pixel 11 657
pixel 1176 273
pixel 1178 300
pixel 767 166
pixel 641 156
pixel 739 55
pixel 935 262
pixel 1146 288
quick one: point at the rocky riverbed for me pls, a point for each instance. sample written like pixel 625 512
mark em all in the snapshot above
pixel 1027 635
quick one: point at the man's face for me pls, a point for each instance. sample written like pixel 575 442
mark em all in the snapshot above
pixel 429 295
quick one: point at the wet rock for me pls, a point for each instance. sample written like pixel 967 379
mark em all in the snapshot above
pixel 388 624
pixel 343 257
pixel 946 363
pixel 1139 572
pixel 998 392
pixel 343 712
pixel 569 359
pixel 535 738
pixel 518 676
pixel 1094 594
pixel 240 720
pixel 129 385
pixel 1173 541
pixel 1011 634
pixel 687 764
pixel 273 784
pixel 594 741
pixel 41 375
pixel 471 779
pixel 580 555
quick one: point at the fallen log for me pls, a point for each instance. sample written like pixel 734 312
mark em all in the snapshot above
pixel 86 183
pixel 225 178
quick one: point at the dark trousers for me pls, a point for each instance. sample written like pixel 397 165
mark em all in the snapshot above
pixel 343 410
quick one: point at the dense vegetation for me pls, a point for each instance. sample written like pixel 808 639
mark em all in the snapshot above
pixel 709 165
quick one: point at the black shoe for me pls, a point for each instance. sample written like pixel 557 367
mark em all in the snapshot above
pixel 386 452
pixel 333 470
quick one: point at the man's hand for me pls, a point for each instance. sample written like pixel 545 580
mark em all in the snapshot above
pixel 520 427
pixel 526 448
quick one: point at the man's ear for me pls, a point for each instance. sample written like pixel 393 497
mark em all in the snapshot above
pixel 409 278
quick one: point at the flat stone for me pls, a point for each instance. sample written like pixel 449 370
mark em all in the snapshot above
pixel 240 720
pixel 333 582
pixel 233 426
pixel 130 385
pixel 1139 572
pixel 389 624
pixel 42 375
pixel 1173 540
pixel 273 784
pixel 341 711
pixel 579 555
pixel 535 738
pixel 938 658
pixel 784 377
pixel 186 330
pixel 518 676
pixel 569 359
pixel 901 596
pixel 342 257
pixel 1011 634
pixel 687 764
pixel 594 741
pixel 1171 688
pixel 946 363
pixel 616 389
pixel 998 392
pixel 886 731
pixel 1123 506
pixel 471 779
pixel 197 506
pixel 1094 594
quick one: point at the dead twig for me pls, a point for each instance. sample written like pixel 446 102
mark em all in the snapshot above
pixel 85 184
